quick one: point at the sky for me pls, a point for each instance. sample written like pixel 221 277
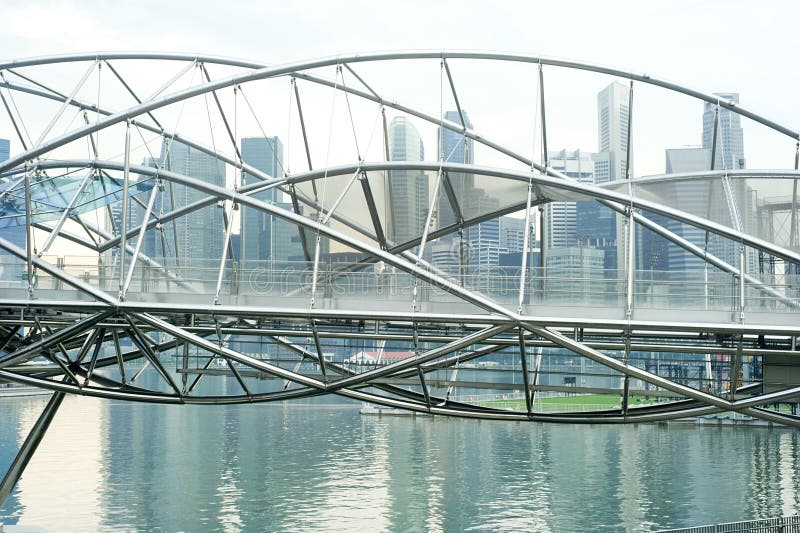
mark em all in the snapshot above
pixel 711 46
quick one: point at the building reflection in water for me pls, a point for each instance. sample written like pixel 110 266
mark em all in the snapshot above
pixel 320 467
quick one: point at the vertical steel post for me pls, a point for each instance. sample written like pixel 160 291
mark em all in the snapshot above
pixel 793 240
pixel 386 152
pixel 630 270
pixel 185 364
pixel 123 236
pixel 710 194
pixel 735 369
pixel 630 267
pixel 714 138
pixel 545 156
pixel 525 377
pixel 628 173
pixel 742 265
pixel 525 245
pixel 545 163
pixel 28 232
pixel 315 273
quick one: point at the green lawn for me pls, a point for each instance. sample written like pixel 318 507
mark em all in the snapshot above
pixel 581 403
pixel 590 401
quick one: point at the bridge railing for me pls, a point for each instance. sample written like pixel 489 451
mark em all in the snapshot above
pixel 781 524
pixel 565 287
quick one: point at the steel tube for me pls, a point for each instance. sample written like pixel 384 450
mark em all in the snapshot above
pixel 29 446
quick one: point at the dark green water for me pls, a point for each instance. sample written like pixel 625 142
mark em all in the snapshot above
pixel 113 466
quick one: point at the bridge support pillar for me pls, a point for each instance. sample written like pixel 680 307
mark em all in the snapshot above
pixel 29 446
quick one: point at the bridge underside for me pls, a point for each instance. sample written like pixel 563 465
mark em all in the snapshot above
pixel 449 364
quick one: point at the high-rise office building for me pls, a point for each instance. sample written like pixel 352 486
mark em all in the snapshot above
pixel 561 217
pixel 596 227
pixel 512 234
pixel 5 149
pixel 265 236
pixel 736 207
pixel 612 132
pixel 483 239
pixel 687 195
pixel 579 269
pixel 407 198
pixel 610 164
pixel 200 233
pixel 453 147
pixel 730 138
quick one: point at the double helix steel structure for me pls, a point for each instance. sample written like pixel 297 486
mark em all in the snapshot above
pixel 150 254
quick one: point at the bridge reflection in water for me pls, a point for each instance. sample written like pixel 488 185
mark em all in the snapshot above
pixel 367 277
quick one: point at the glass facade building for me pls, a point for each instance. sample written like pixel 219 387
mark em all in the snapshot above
pixel 265 236
pixel 407 189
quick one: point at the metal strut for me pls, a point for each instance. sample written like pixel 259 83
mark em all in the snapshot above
pixel 29 446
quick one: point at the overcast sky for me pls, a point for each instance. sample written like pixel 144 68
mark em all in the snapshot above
pixel 712 46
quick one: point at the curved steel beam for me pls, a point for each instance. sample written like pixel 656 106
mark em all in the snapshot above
pixel 290 68
pixel 420 54
pixel 472 412
pixel 596 192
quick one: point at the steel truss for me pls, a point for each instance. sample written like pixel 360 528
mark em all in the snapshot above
pixel 110 338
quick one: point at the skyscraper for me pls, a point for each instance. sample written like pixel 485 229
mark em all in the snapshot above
pixel 454 148
pixel 737 207
pixel 265 236
pixel 610 162
pixel 596 227
pixel 691 196
pixel 561 217
pixel 730 138
pixel 407 199
pixel 612 132
pixel 483 238
pixel 512 234
pixel 200 233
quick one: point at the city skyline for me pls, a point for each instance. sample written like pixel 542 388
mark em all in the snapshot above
pixel 483 239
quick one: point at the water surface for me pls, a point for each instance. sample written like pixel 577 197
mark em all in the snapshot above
pixel 116 466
